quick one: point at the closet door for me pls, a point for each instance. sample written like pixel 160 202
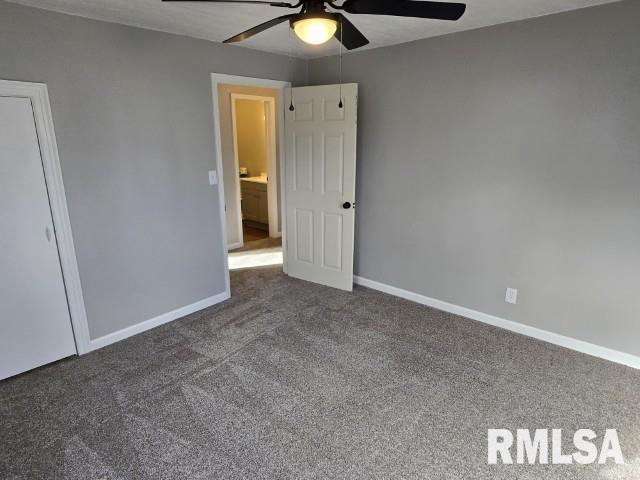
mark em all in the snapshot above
pixel 35 325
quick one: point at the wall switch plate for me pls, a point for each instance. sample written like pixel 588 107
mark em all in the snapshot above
pixel 511 296
pixel 213 177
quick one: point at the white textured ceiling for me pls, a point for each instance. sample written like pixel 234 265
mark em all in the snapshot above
pixel 219 21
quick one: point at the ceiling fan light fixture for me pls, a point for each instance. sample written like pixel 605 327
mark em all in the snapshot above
pixel 315 30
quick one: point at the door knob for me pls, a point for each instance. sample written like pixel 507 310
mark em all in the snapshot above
pixel 346 205
pixel 47 232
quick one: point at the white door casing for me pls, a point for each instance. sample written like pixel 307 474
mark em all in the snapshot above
pixel 320 174
pixel 280 86
pixel 35 323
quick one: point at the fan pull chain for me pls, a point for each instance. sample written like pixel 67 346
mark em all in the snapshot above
pixel 340 102
pixel 291 107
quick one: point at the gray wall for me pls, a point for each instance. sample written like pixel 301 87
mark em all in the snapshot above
pixel 507 156
pixel 133 117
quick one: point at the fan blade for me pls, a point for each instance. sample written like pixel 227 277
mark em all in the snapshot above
pixel 258 28
pixel 407 8
pixel 348 34
pixel 254 2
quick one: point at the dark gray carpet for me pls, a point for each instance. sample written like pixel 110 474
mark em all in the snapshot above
pixel 290 380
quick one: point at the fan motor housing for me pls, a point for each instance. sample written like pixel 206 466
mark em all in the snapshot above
pixel 313 6
pixel 323 14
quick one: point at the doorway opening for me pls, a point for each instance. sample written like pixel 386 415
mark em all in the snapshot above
pixel 254 147
pixel 249 118
pixel 315 187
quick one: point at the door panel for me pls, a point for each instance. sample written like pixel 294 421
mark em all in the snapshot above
pixel 331 250
pixel 303 162
pixel 304 109
pixel 333 162
pixel 319 179
pixel 304 236
pixel 35 325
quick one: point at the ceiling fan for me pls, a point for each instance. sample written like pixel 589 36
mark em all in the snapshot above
pixel 315 25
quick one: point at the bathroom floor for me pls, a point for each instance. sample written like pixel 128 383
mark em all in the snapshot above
pixel 252 234
pixel 257 239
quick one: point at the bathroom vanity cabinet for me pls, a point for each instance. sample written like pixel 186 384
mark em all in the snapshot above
pixel 254 199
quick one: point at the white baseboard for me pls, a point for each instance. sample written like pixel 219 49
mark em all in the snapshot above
pixel 544 335
pixel 233 246
pixel 156 321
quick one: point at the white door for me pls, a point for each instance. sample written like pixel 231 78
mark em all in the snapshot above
pixel 35 325
pixel 320 178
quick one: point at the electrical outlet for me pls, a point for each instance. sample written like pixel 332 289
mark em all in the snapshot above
pixel 213 177
pixel 511 296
